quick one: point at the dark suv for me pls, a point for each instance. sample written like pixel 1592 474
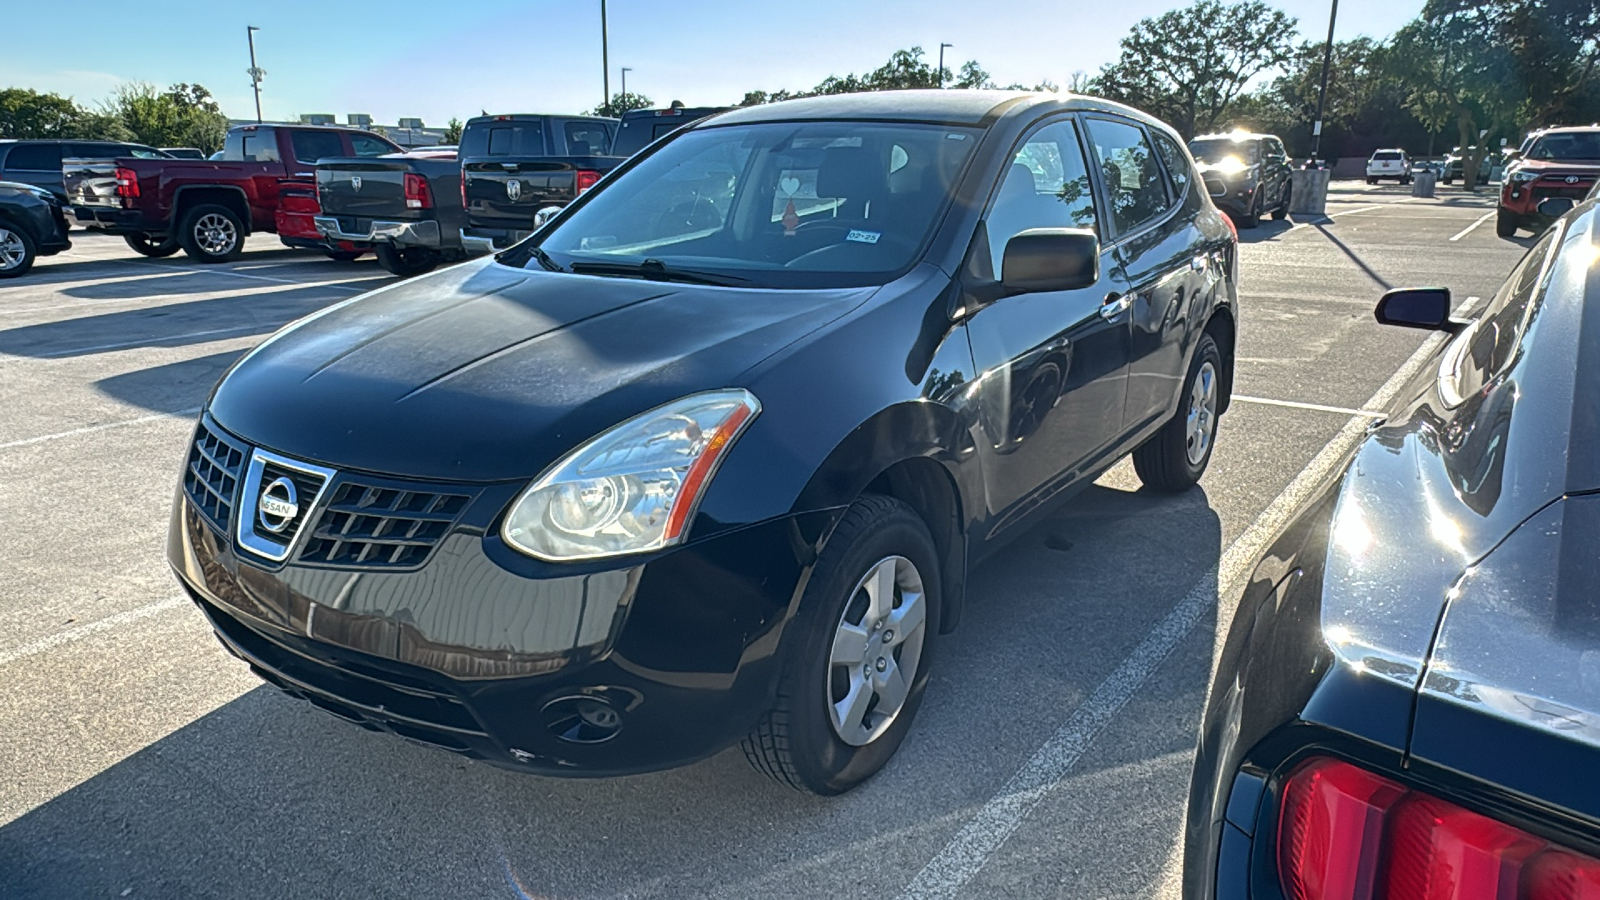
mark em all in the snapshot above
pixel 1245 174
pixel 39 162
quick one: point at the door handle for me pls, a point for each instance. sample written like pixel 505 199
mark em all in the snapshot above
pixel 1115 305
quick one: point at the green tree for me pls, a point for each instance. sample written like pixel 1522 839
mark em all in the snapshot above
pixel 1187 65
pixel 621 103
pixel 184 115
pixel 27 113
pixel 1458 71
pixel 905 70
pixel 452 131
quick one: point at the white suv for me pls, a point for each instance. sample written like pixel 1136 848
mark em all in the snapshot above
pixel 1389 164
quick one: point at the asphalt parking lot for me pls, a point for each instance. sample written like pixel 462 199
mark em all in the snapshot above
pixel 1050 759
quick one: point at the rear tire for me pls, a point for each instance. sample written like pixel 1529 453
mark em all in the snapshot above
pixel 408 262
pixel 146 245
pixel 211 234
pixel 17 250
pixel 1175 457
pixel 838 717
pixel 1506 224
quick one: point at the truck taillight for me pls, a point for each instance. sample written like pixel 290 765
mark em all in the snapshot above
pixel 127 183
pixel 1347 834
pixel 587 179
pixel 418 196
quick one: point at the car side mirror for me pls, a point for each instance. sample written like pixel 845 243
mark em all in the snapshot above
pixel 1050 259
pixel 1556 207
pixel 1416 308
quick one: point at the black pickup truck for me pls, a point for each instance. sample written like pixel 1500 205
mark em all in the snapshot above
pixel 639 128
pixel 513 167
pixel 406 205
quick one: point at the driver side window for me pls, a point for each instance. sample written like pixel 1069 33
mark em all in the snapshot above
pixel 1046 186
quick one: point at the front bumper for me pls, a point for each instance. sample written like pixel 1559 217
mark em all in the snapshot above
pixel 1522 198
pixel 487 653
pixel 423 233
pixel 1232 197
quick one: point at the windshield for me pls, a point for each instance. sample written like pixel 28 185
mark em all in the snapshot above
pixel 1571 145
pixel 1211 151
pixel 783 205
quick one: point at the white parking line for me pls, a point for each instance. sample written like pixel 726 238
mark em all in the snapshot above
pixel 1468 230
pixel 1329 217
pixel 93 628
pixel 157 340
pixel 91 429
pixel 1316 407
pixel 969 851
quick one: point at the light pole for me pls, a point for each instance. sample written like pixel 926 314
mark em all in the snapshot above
pixel 941 63
pixel 625 71
pixel 1322 93
pixel 605 59
pixel 255 72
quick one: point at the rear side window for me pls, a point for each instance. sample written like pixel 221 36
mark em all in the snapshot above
pixel 364 145
pixel 35 157
pixel 587 139
pixel 310 146
pixel 139 151
pixel 1133 180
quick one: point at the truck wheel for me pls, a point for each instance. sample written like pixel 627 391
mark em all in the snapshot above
pixel 211 234
pixel 1177 455
pixel 17 250
pixel 148 245
pixel 858 665
pixel 408 262
pixel 1505 224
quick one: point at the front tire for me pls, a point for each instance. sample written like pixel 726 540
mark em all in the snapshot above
pixel 145 245
pixel 212 234
pixel 408 262
pixel 1252 215
pixel 1506 224
pixel 1281 212
pixel 17 250
pixel 858 666
pixel 1175 457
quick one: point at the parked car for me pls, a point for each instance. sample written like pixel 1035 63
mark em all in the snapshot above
pixel 659 480
pixel 1246 175
pixel 184 152
pixel 1406 703
pixel 38 162
pixel 515 168
pixel 407 207
pixel 207 208
pixel 1559 162
pixel 641 127
pixel 1455 165
pixel 1389 164
pixel 31 226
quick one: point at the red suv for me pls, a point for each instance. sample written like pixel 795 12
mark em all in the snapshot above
pixel 1558 162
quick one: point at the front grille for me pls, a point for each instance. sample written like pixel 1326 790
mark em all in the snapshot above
pixel 211 478
pixel 306 486
pixel 392 525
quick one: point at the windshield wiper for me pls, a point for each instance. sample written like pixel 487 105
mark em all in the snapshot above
pixel 656 270
pixel 545 260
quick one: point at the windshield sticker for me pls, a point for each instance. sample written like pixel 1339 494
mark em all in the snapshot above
pixel 864 237
pixel 791 219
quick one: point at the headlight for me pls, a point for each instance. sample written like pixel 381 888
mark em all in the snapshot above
pixel 633 488
pixel 1230 165
pixel 1524 175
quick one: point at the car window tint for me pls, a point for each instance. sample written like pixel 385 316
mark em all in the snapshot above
pixel 587 139
pixel 310 146
pixel 35 157
pixel 258 147
pixel 1492 343
pixel 1133 180
pixel 1046 186
pixel 139 152
pixel 364 145
pixel 1177 163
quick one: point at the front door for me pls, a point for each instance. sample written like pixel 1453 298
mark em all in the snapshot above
pixel 1054 365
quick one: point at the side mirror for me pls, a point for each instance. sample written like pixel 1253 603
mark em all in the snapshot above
pixel 1050 259
pixel 1416 308
pixel 1556 207
pixel 544 215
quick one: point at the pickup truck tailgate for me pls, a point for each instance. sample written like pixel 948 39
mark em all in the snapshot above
pixel 368 188
pixel 91 182
pixel 507 193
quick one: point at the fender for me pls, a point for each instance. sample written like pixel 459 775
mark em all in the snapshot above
pixel 177 201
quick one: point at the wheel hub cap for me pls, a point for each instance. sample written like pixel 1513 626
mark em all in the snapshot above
pixel 215 234
pixel 1200 423
pixel 877 647
pixel 11 249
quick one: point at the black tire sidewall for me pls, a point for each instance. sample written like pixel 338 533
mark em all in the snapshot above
pixel 826 764
pixel 191 246
pixel 394 261
pixel 1205 351
pixel 30 250
pixel 147 245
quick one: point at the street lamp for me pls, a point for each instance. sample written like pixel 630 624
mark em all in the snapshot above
pixel 941 63
pixel 255 72
pixel 625 71
pixel 1322 92
pixel 605 59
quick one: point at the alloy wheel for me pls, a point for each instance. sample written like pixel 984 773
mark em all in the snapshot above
pixel 877 647
pixel 1201 421
pixel 12 250
pixel 215 234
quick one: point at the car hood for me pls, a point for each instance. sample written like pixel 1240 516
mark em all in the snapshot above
pixel 483 372
pixel 1557 165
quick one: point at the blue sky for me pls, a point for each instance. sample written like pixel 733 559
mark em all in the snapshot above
pixel 441 59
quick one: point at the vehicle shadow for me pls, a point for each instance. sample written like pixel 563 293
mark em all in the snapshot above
pixel 146 284
pixel 1266 230
pixel 266 796
pixel 168 325
pixel 174 386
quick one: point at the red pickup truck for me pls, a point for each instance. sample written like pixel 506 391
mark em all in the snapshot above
pixel 207 208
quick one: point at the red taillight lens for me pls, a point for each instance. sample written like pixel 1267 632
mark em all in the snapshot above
pixel 587 179
pixel 418 196
pixel 1347 834
pixel 464 191
pixel 127 183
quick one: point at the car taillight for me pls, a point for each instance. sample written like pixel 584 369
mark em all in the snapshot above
pixel 418 196
pixel 127 183
pixel 464 191
pixel 1347 834
pixel 587 179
